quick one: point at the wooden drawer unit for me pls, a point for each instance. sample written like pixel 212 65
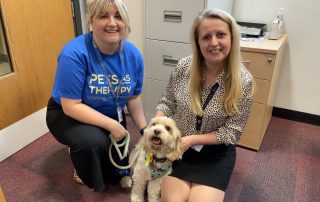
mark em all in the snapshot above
pixel 263 59
pixel 259 64
pixel 251 136
pixel 261 95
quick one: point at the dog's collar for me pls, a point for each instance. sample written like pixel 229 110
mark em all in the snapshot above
pixel 157 167
pixel 161 160
pixel 151 159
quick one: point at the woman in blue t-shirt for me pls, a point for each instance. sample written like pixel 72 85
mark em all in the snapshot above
pixel 98 74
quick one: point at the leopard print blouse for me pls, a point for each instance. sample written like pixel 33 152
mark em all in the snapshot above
pixel 176 103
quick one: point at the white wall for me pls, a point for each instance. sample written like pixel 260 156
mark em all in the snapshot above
pixel 299 80
pixel 18 135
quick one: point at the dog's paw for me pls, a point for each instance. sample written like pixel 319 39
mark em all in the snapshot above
pixel 136 198
pixel 126 182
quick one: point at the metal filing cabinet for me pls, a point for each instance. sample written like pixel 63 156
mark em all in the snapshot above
pixel 168 25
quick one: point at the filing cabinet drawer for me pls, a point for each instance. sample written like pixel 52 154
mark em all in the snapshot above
pixel 155 90
pixel 262 91
pixel 252 134
pixel 260 65
pixel 171 20
pixel 162 57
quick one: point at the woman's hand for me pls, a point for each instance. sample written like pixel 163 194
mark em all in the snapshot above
pixel 85 114
pixel 186 142
pixel 201 139
pixel 117 131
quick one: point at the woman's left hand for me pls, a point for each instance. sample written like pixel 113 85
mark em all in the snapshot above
pixel 118 131
pixel 186 142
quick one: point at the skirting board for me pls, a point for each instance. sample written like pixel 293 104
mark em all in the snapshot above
pixel 20 134
pixel 296 116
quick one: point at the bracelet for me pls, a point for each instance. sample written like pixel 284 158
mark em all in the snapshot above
pixel 142 130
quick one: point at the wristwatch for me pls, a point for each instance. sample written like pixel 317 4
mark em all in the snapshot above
pixel 142 130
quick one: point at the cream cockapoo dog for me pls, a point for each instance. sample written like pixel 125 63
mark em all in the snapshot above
pixel 153 156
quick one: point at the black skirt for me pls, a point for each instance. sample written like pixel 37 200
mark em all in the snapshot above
pixel 212 166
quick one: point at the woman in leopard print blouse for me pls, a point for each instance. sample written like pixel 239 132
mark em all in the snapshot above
pixel 209 95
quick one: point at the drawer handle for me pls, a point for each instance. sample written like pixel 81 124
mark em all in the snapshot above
pixel 172 16
pixel 269 60
pixel 168 60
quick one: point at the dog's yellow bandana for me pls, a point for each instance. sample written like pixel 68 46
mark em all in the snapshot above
pixel 155 171
pixel 149 159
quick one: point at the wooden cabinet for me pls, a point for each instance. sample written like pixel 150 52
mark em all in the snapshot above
pixel 263 59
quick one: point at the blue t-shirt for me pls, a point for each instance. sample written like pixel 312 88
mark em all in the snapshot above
pixel 79 75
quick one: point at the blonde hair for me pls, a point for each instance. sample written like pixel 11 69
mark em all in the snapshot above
pixel 232 78
pixel 97 7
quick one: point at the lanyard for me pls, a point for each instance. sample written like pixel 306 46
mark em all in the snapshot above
pixel 103 65
pixel 199 118
pixel 212 92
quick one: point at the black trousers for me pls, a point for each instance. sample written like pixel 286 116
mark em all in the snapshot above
pixel 89 147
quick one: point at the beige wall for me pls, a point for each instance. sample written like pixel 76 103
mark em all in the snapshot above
pixel 136 14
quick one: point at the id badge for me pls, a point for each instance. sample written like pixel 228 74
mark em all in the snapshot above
pixel 119 111
pixel 197 147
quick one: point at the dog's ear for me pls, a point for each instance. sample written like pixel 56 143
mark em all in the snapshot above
pixel 177 152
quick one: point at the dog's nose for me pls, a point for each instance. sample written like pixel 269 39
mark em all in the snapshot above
pixel 156 132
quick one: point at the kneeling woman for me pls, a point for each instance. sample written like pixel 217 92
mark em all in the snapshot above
pixel 209 95
pixel 98 74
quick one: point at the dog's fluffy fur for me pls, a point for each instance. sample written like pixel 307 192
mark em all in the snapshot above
pixel 161 140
